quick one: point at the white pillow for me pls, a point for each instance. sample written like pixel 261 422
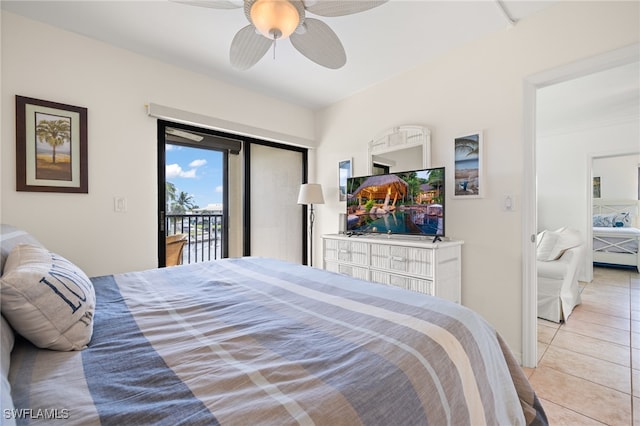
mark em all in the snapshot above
pixel 553 244
pixel 546 244
pixel 569 238
pixel 47 299
pixel 10 236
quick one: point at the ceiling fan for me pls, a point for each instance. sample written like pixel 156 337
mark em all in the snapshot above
pixel 272 20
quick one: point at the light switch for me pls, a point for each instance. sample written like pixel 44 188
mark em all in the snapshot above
pixel 119 204
pixel 509 203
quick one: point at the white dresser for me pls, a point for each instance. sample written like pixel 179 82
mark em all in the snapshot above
pixel 411 263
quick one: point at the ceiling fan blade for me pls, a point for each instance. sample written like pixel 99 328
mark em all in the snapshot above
pixel 247 48
pixel 341 8
pixel 320 44
pixel 213 4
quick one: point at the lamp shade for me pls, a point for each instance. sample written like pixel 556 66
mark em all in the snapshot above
pixel 274 18
pixel 310 193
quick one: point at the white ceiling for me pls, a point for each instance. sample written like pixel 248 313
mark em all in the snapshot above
pixel 380 43
pixel 595 100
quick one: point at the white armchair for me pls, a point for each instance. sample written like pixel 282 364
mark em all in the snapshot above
pixel 560 254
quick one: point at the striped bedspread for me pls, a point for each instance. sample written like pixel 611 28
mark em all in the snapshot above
pixel 256 341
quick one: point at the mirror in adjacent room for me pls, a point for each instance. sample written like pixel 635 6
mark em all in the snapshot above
pixel 401 148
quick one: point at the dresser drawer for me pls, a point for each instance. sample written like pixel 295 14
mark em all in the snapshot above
pixel 346 251
pixel 408 283
pixel 409 260
pixel 352 271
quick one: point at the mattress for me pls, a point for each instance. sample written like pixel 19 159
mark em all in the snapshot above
pixel 259 341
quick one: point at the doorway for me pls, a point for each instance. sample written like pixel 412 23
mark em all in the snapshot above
pixel 530 220
pixel 193 194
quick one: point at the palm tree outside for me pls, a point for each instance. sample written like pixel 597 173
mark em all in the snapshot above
pixel 183 203
pixel 170 191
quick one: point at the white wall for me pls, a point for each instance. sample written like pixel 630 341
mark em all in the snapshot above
pixel 476 87
pixel 43 62
pixel 618 174
pixel 564 164
pixel 564 170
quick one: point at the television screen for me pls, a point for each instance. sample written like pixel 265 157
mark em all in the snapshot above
pixel 397 203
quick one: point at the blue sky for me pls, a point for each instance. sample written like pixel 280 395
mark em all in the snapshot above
pixel 195 171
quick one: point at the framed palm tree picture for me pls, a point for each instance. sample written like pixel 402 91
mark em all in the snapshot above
pixel 468 180
pixel 51 146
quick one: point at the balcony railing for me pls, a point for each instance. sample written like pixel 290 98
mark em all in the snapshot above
pixel 204 235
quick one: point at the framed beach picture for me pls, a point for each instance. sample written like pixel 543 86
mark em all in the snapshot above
pixel 345 170
pixel 51 146
pixel 596 187
pixel 468 181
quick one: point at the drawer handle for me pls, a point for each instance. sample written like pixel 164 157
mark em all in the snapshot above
pixel 398 258
pixel 343 251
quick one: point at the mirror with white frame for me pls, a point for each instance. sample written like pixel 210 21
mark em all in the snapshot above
pixel 398 149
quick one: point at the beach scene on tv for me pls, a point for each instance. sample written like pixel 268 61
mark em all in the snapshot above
pixel 397 203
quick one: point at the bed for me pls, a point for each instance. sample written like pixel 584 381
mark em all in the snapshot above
pixel 251 341
pixel 616 237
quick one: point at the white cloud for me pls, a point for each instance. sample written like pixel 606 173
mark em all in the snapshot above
pixel 174 171
pixel 198 163
pixel 219 188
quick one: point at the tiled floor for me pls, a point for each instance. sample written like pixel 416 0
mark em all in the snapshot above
pixel 589 367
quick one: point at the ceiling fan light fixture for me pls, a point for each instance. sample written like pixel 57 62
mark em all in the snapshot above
pixel 275 19
pixel 302 29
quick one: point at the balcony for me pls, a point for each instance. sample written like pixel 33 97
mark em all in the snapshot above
pixel 204 235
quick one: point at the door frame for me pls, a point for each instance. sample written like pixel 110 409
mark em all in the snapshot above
pixel 246 200
pixel 611 59
pixel 162 125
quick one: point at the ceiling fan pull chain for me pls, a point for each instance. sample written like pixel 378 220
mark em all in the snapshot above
pixel 276 34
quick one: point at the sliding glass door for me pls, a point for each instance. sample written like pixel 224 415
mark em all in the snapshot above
pixel 193 194
pixel 277 223
pixel 227 205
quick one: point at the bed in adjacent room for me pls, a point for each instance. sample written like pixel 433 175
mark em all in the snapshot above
pixel 616 233
pixel 244 341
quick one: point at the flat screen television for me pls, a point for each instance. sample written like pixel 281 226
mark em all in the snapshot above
pixel 407 203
